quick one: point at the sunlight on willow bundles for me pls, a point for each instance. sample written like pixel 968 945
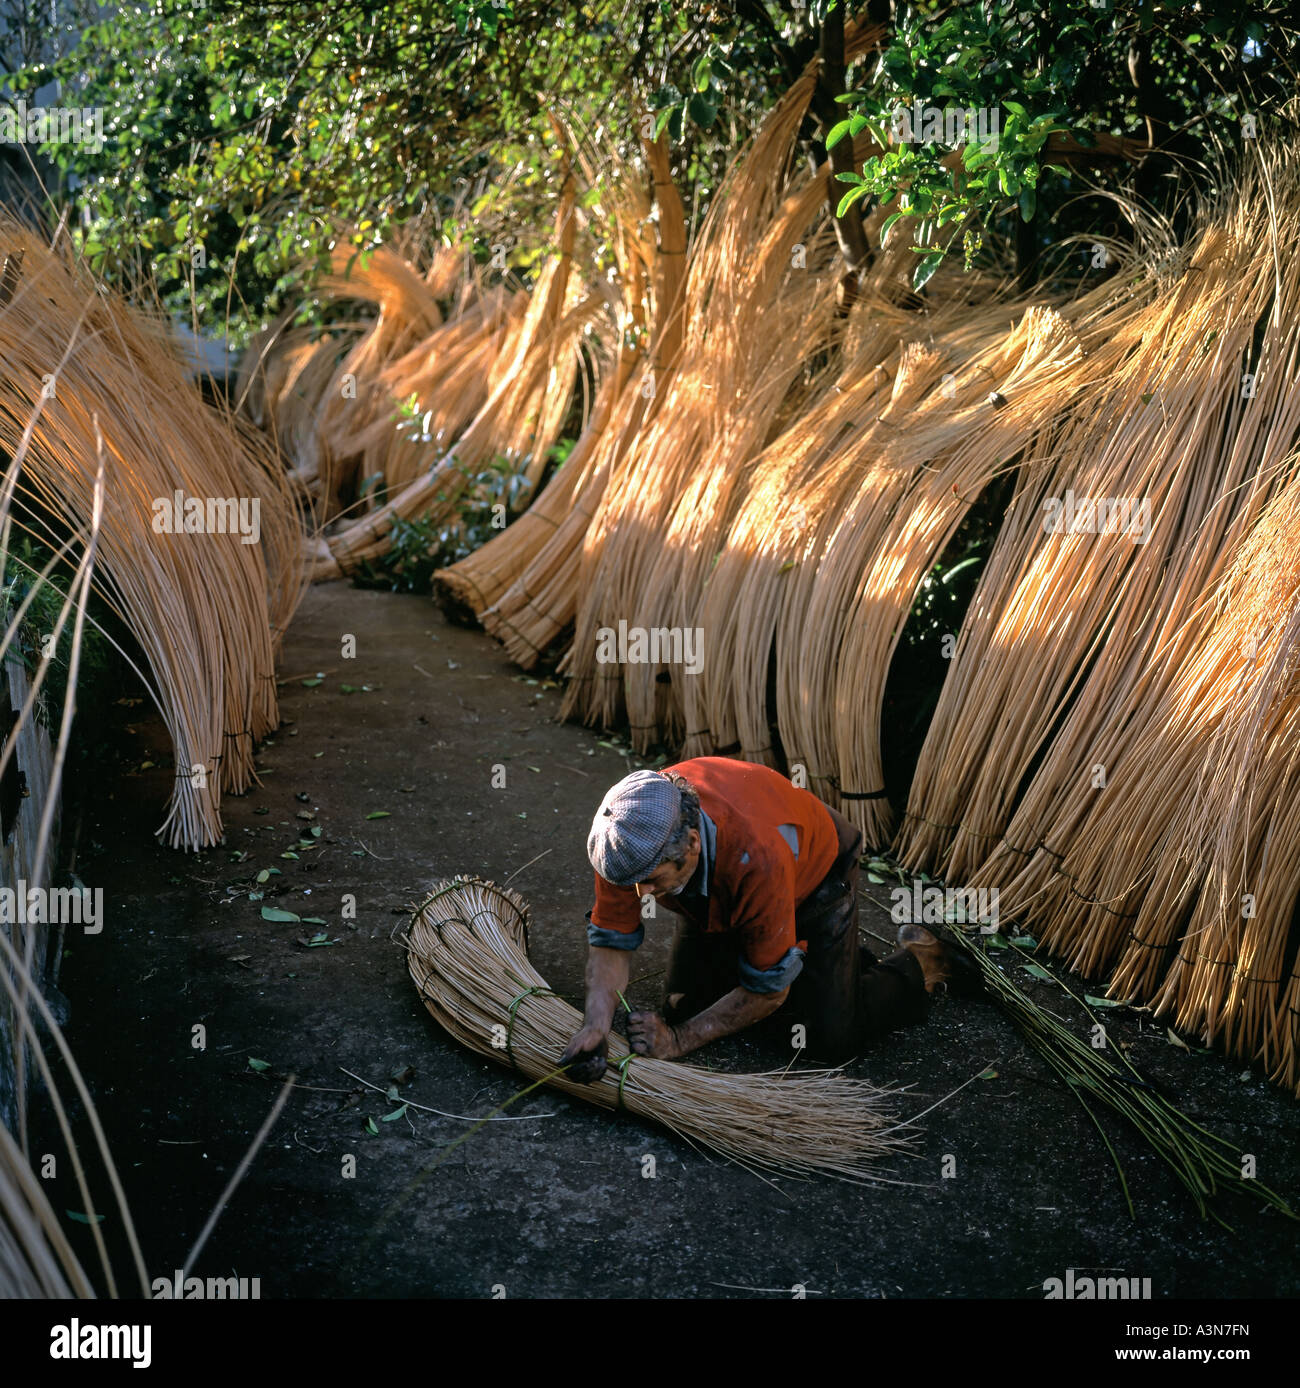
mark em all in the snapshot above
pixel 1131 800
pixel 207 608
pixel 495 372
pixel 468 956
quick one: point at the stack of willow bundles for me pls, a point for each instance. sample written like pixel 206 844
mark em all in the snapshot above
pixel 1105 801
pixel 528 596
pixel 976 395
pixel 208 610
pixel 523 585
pixel 468 957
pixel 757 304
pixel 494 371
pixel 322 396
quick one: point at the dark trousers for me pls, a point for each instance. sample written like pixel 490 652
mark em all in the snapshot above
pixel 844 995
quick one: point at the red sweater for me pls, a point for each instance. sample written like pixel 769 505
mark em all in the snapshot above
pixel 756 882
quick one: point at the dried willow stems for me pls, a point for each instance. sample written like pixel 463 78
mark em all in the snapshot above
pixel 495 371
pixel 207 609
pixel 468 957
pixel 1129 801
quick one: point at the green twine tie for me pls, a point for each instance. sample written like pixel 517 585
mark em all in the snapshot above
pixel 514 1012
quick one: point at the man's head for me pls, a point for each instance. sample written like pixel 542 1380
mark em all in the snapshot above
pixel 646 833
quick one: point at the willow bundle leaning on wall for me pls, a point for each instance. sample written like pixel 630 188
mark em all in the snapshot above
pixel 207 609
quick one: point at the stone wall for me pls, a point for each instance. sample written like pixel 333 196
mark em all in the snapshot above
pixel 24 786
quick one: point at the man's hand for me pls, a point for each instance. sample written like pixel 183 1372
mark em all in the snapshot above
pixel 648 1034
pixel 587 1050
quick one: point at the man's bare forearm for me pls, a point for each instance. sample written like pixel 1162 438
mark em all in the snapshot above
pixel 731 1013
pixel 607 975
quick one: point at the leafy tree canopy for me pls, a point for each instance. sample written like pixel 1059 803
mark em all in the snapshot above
pixel 241 138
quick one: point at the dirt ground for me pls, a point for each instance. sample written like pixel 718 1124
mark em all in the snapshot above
pixel 556 1205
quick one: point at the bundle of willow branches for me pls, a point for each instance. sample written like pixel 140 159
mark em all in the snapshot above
pixel 1128 799
pixel 495 373
pixel 468 956
pixel 523 586
pixel 90 380
pixel 36 1258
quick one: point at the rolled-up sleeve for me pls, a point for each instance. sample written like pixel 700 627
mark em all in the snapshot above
pixel 774 980
pixel 613 939
pixel 614 922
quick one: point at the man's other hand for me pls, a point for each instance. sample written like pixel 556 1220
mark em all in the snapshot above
pixel 648 1034
pixel 587 1051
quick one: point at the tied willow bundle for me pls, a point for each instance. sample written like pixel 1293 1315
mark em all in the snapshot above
pixel 1105 800
pixel 468 956
pixel 89 381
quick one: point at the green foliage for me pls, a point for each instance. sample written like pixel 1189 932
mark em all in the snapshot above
pixel 241 138
pixel 1062 67
pixel 490 498
pixel 98 666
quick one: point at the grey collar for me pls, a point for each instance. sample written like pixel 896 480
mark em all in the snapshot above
pixel 708 850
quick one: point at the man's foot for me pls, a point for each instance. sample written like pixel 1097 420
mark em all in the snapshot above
pixel 929 951
pixel 944 968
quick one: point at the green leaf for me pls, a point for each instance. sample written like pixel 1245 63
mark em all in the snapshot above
pixel 370 1127
pixel 1093 1001
pixel 81 1218
pixel 837 132
pixel 702 111
pixel 989 1074
pixel 1028 202
pixel 925 270
pixel 379 814
pixel 874 877
pixel 394 1116
pixel 273 913
pixel 1038 971
pixel 1024 941
pixel 258 1065
pixel 850 198
pixel 889 222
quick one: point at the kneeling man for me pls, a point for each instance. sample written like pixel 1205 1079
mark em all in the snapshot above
pixel 764 880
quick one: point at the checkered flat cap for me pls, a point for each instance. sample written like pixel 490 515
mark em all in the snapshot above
pixel 633 826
